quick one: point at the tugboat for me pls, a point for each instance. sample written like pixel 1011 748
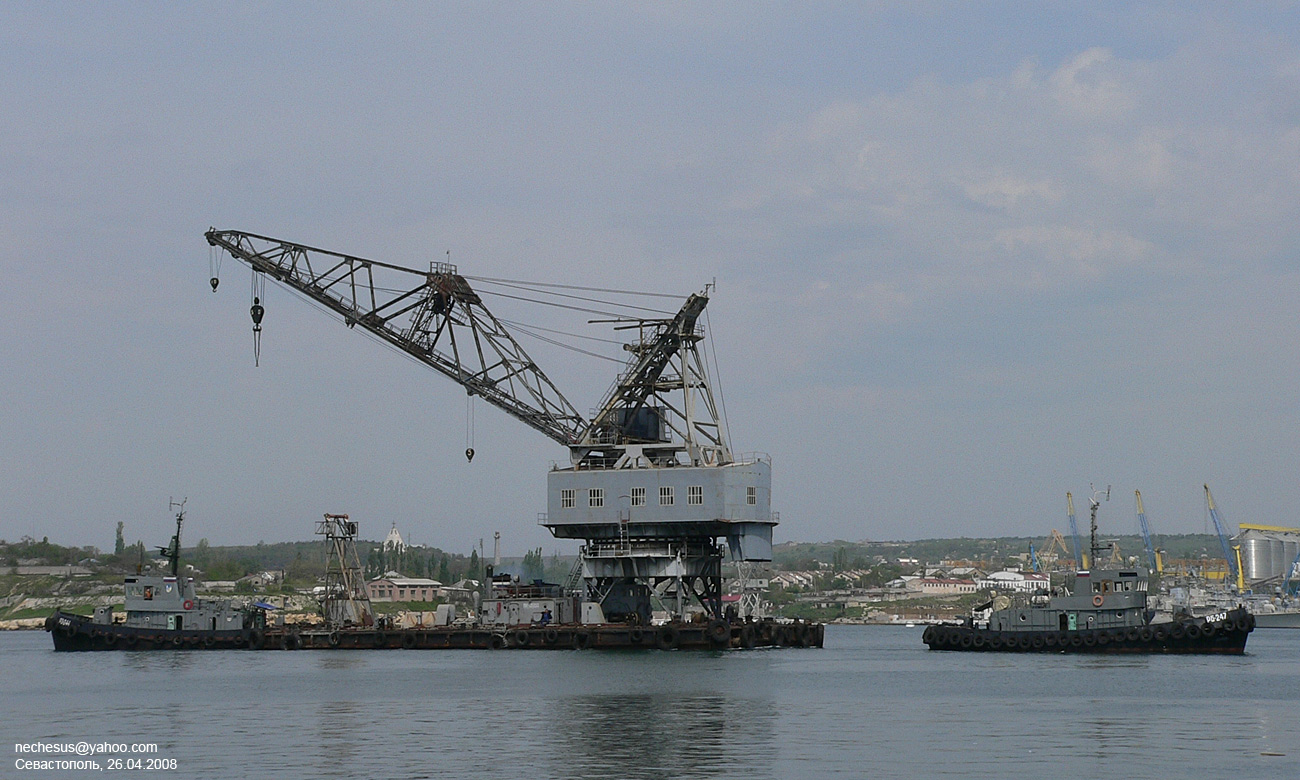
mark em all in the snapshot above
pixel 162 612
pixel 1105 613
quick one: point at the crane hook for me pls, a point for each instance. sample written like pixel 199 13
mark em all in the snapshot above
pixel 256 311
pixel 214 281
pixel 469 454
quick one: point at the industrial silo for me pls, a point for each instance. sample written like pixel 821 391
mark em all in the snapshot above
pixel 1256 554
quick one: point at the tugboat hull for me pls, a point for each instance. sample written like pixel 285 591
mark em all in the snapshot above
pixel 1226 636
pixel 77 632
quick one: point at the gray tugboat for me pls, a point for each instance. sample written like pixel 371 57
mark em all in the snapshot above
pixel 162 611
pixel 1105 612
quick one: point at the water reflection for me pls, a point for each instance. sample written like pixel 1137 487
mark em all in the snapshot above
pixel 649 735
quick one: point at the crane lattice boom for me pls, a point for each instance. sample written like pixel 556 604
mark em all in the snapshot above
pixel 434 316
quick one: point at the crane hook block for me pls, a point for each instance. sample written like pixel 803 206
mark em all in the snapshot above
pixel 214 281
pixel 257 311
pixel 469 454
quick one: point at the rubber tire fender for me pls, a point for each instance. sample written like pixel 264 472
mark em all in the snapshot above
pixel 256 639
pixel 409 640
pixel 667 638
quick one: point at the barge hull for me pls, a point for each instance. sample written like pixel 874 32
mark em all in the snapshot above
pixel 76 632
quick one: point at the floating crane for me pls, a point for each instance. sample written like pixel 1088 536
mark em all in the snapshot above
pixel 652 484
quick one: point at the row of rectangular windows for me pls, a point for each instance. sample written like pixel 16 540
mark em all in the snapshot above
pixel 694 496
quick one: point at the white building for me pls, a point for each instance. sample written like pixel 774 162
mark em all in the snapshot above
pixel 1020 581
pixel 394 540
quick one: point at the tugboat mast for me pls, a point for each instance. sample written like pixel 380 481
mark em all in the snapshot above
pixel 1094 503
pixel 173 551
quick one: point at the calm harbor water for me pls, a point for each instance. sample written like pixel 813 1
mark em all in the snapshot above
pixel 873 703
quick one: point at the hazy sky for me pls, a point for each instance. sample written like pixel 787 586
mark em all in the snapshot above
pixel 969 256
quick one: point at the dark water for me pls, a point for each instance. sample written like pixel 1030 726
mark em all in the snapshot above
pixel 874 703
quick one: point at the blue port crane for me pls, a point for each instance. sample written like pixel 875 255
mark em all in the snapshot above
pixel 1080 562
pixel 1291 581
pixel 1146 532
pixel 1233 571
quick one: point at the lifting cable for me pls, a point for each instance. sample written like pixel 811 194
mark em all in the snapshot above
pixel 469 427
pixel 215 256
pixel 256 311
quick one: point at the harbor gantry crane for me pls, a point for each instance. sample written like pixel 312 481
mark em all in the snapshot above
pixel 652 485
pixel 1080 560
pixel 1152 564
pixel 1233 561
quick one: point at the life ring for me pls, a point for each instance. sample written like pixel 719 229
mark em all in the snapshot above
pixel 1096 600
pixel 188 604
pixel 409 640
pixel 667 638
